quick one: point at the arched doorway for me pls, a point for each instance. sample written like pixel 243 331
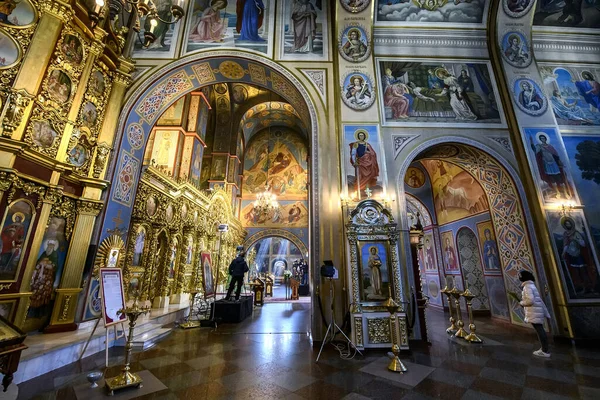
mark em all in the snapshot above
pixel 193 73
pixel 504 198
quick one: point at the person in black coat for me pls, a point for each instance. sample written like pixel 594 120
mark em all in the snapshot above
pixel 237 269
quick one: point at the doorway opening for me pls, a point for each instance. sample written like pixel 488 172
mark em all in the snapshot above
pixel 475 231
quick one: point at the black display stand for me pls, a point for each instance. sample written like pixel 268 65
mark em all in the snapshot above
pixel 304 290
pixel 232 311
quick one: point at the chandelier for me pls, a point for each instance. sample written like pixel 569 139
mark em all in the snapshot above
pixel 137 9
pixel 266 201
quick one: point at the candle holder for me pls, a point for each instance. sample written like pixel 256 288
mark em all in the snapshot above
pixel 460 332
pixel 127 378
pixel 190 322
pixel 471 337
pixel 451 330
pixel 396 365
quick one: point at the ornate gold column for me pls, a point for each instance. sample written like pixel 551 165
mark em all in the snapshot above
pixel 51 196
pixel 65 305
pixel 121 82
pixel 55 14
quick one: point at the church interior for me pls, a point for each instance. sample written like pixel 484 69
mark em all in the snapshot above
pixel 299 199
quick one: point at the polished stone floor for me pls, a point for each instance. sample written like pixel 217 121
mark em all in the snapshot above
pixel 252 361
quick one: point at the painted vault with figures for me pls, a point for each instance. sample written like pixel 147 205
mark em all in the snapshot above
pixel 424 148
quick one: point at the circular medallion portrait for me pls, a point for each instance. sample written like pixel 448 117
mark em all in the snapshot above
pixel 515 50
pixel 239 94
pixel 169 213
pixel 43 134
pixel 72 49
pixel 151 206
pixel 529 97
pixel 354 45
pixel 59 86
pixel 517 8
pixel 357 91
pixel 415 178
pixel 78 155
pixel 355 6
pixel 434 288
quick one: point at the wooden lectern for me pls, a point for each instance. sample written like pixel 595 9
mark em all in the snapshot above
pixel 269 286
pixel 11 346
pixel 258 287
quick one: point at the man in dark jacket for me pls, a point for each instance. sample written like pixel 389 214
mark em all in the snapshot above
pixel 237 269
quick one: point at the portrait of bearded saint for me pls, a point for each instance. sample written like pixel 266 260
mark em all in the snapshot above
pixel 42 281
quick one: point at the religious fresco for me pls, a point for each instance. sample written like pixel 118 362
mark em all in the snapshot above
pixel 416 92
pixel 515 49
pixel 138 247
pixel 9 51
pixel 59 86
pixel 584 159
pixel 47 273
pixel 489 248
pixel 277 158
pixel 207 274
pixel 363 161
pixel 374 270
pixel 574 93
pixel 304 29
pixel 550 164
pixel 358 91
pixel 517 8
pixel 529 97
pixel 17 220
pixel 567 14
pixel 196 164
pixel 72 49
pixel 173 115
pixel 355 6
pixel 497 295
pixel 449 256
pixel 246 24
pixel 17 13
pixel 164 151
pixel 290 214
pixel 575 251
pixel 424 12
pixel 456 194
pixel 354 44
pixel 172 260
pixel 415 177
pixel 166 35
pixel 429 259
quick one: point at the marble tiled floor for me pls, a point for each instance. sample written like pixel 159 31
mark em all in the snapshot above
pixel 251 361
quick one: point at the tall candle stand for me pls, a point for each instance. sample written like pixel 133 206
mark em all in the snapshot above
pixel 127 378
pixel 471 337
pixel 396 365
pixel 460 332
pixel 190 322
pixel 451 330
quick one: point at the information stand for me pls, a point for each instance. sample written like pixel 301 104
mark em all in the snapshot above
pixel 112 297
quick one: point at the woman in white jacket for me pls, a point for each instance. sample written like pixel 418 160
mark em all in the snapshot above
pixel 535 310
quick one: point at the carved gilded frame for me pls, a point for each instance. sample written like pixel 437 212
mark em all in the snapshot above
pixel 370 221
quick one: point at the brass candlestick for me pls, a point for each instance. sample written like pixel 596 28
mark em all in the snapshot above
pixel 471 337
pixel 460 332
pixel 189 321
pixel 127 379
pixel 396 364
pixel 451 330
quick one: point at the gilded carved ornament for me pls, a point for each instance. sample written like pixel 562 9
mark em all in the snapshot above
pixel 13 109
pixel 58 9
pixel 88 207
pixel 102 153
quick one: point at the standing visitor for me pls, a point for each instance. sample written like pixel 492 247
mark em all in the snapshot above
pixel 535 310
pixel 237 269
